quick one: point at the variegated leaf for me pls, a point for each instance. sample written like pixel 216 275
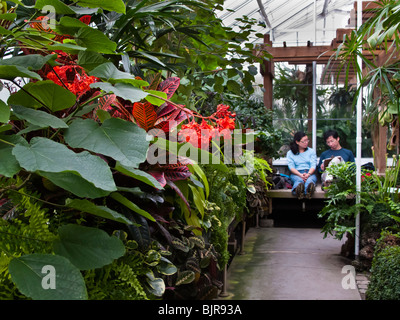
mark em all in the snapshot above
pixel 185 277
pixel 144 115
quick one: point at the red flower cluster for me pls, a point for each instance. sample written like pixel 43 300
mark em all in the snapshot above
pixel 73 77
pixel 366 176
pixel 200 135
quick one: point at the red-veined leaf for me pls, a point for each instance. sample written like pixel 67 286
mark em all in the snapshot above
pixel 169 86
pixel 159 176
pixel 154 80
pixel 181 173
pixel 144 115
pixel 110 103
pixel 171 120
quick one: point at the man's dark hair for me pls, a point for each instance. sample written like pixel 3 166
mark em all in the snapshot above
pixel 330 133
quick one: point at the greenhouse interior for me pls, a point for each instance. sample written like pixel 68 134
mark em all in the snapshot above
pixel 228 150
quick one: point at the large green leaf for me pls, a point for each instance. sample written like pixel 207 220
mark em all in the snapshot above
pixel 109 72
pixel 38 118
pixel 90 60
pixel 31 61
pixel 8 163
pixel 123 90
pixel 35 274
pixel 4 112
pixel 110 5
pixel 75 184
pixel 101 211
pixel 48 156
pixel 95 40
pixel 43 93
pixel 58 6
pixel 130 205
pixel 69 25
pixel 12 72
pixel 122 140
pixel 86 247
pixel 139 175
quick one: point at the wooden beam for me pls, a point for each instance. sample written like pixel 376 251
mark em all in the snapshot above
pixel 321 54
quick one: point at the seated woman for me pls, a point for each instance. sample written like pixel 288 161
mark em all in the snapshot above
pixel 302 163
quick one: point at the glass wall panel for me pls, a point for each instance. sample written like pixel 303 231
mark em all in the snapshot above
pixel 335 110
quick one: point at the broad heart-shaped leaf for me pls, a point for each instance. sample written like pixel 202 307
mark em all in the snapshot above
pixel 122 140
pixel 47 277
pixel 95 40
pixel 38 118
pixel 43 93
pixel 75 184
pixel 69 25
pixel 123 90
pixel 46 155
pixel 12 72
pixel 101 211
pixel 109 72
pixel 8 164
pixel 57 5
pixel 86 247
pixel 90 60
pixel 110 5
pixel 31 61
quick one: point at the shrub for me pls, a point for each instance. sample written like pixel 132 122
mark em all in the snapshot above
pixel 385 271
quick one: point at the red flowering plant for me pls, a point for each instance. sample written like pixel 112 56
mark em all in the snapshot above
pixel 201 134
pixel 68 73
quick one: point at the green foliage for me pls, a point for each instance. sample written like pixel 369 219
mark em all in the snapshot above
pixel 340 209
pixel 383 74
pixel 251 113
pixel 112 269
pixel 229 199
pixel 379 201
pixel 385 272
pixel 196 262
pixel 131 277
pixel 88 169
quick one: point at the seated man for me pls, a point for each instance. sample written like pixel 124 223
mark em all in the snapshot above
pixel 335 152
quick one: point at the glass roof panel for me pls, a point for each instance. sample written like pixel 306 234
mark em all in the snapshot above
pixel 294 22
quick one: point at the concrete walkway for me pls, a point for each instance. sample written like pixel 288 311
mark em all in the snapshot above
pixel 289 264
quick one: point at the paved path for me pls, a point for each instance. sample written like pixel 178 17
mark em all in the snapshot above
pixel 289 264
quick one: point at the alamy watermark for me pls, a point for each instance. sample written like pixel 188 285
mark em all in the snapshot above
pixel 349 280
pixel 49 280
pixel 233 147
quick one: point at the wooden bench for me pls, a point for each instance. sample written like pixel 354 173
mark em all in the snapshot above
pixel 287 194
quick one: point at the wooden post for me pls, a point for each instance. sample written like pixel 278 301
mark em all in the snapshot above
pixel 309 81
pixel 268 74
pixel 379 138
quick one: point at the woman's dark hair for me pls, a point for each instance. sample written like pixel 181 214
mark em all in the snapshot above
pixel 297 137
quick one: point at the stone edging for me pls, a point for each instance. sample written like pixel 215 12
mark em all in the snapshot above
pixel 362 280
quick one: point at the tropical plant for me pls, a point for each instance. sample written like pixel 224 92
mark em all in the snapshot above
pixel 377 33
pixel 379 200
pixel 74 146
